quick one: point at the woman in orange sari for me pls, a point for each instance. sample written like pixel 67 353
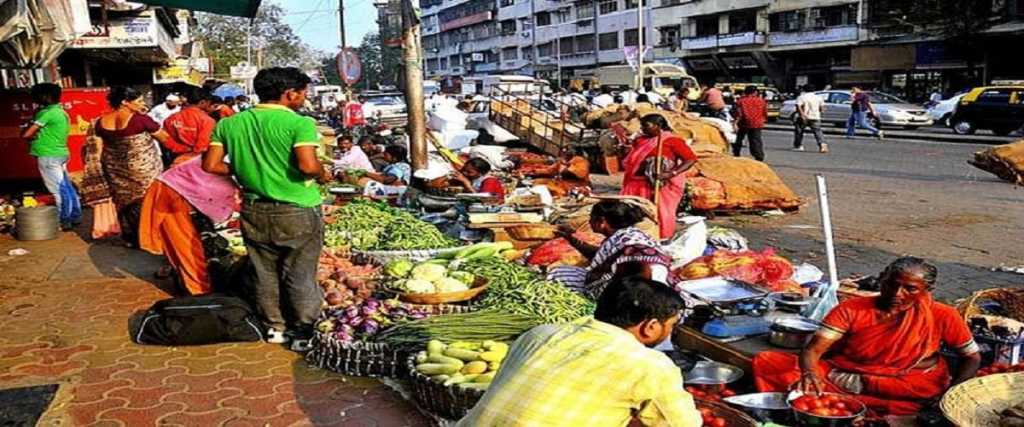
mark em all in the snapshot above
pixel 641 169
pixel 882 349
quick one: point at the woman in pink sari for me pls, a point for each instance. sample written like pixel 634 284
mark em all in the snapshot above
pixel 641 169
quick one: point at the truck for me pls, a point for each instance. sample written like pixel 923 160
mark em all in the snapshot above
pixel 662 78
pixel 503 85
pixel 327 97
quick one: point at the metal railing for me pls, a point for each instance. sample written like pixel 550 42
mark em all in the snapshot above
pixel 524 122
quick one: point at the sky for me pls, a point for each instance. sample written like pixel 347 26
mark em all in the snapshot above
pixel 316 21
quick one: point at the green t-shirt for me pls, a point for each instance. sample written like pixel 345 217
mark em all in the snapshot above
pixel 52 138
pixel 259 143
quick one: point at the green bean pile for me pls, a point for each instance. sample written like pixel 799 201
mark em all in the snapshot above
pixel 368 225
pixel 406 232
pixel 514 289
pixel 473 327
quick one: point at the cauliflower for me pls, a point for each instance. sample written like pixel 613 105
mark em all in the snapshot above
pixel 398 268
pixel 462 276
pixel 448 284
pixel 419 286
pixel 429 272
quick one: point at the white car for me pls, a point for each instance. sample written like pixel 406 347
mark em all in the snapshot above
pixel 943 110
pixel 388 107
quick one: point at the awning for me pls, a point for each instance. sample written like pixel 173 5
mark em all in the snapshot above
pixel 246 8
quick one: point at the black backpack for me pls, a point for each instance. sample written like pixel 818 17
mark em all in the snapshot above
pixel 196 320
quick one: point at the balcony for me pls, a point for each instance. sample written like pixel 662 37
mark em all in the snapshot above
pixel 823 35
pixel 723 40
pixel 485 67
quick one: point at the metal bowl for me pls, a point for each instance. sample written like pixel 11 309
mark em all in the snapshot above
pixel 713 373
pixel 791 332
pixel 811 420
pixel 765 407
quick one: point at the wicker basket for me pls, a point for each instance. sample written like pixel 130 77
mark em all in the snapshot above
pixel 733 417
pixel 479 285
pixel 369 359
pixel 384 257
pixel 451 402
pixel 1011 300
pixel 978 402
pixel 532 232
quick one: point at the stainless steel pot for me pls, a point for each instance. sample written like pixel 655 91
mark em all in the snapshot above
pixel 791 332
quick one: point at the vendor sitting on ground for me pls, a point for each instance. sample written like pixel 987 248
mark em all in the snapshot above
pixel 570 171
pixel 475 177
pixel 594 372
pixel 398 172
pixel 373 151
pixel 349 156
pixel 884 349
pixel 623 243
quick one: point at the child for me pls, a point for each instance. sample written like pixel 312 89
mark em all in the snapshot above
pixel 48 132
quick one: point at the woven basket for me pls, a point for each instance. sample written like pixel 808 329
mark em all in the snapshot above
pixel 369 359
pixel 532 232
pixel 1011 300
pixel 446 297
pixel 733 417
pixel 384 257
pixel 451 402
pixel 978 401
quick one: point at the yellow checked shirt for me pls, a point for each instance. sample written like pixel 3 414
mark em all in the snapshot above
pixel 585 373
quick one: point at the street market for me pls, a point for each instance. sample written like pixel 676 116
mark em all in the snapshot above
pixel 523 254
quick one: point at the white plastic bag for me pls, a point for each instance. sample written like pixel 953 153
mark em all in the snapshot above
pixel 689 244
pixel 825 300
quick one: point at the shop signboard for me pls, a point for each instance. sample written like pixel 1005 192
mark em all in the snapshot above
pixel 243 71
pixel 82 105
pixel 179 70
pixel 475 18
pixel 826 35
pixel 135 31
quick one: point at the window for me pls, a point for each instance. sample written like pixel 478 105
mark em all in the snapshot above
pixel 444 63
pixel 835 16
pixel 707 26
pixel 585 43
pixel 743 22
pixel 510 53
pixel 508 27
pixel 455 60
pixel 632 4
pixel 609 7
pixel 545 50
pixel 787 21
pixel 543 18
pixel 585 10
pixel 838 98
pixel 629 38
pixel 994 97
pixel 608 41
pixel 528 53
pixel 490 56
pixel 432 65
pixel 668 36
pixel 506 3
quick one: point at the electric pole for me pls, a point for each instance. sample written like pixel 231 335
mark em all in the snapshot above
pixel 640 46
pixel 344 44
pixel 417 126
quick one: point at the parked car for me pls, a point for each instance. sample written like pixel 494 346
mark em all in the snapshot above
pixel 943 110
pixel 891 110
pixel 996 108
pixel 388 107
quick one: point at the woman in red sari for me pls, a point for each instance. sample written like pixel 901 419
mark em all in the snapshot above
pixel 641 170
pixel 883 349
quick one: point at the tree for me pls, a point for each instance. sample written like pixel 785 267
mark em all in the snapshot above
pixel 224 38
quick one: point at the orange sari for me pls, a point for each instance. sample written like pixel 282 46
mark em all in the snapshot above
pixel 884 353
pixel 166 228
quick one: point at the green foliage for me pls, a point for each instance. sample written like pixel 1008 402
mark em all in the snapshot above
pixel 381 64
pixel 224 38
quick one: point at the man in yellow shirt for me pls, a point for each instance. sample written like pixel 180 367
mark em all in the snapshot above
pixel 595 371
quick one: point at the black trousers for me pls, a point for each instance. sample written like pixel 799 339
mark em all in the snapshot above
pixel 753 137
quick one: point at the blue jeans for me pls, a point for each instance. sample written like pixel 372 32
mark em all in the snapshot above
pixel 859 118
pixel 57 182
pixel 284 243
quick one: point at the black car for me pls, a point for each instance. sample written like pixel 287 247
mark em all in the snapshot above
pixel 996 108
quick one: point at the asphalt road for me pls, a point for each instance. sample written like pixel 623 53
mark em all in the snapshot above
pixel 892 198
pixel 930 133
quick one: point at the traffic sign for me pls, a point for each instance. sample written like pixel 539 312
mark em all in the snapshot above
pixel 349 67
pixel 244 71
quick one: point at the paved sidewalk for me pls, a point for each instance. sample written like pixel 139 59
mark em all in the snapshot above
pixel 65 308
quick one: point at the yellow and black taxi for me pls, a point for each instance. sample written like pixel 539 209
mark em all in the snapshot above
pixel 732 91
pixel 999 109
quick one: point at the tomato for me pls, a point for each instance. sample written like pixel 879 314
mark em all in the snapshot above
pixel 705 412
pixel 818 403
pixel 718 422
pixel 728 393
pixel 825 412
pixel 691 389
pixel 840 405
pixel 801 406
pixel 843 413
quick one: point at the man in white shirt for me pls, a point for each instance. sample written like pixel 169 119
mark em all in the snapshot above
pixel 161 112
pixel 605 98
pixel 351 156
pixel 809 107
pixel 654 97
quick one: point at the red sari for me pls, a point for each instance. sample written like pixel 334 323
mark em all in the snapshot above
pixel 634 183
pixel 885 353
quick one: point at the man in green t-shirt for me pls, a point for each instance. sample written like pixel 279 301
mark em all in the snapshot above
pixel 48 135
pixel 272 153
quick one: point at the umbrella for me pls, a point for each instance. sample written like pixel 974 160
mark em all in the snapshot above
pixel 226 90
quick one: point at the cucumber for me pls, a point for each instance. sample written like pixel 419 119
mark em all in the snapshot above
pixel 485 378
pixel 421 357
pixel 463 355
pixel 444 360
pixel 439 378
pixel 435 347
pixel 437 369
pixel 475 386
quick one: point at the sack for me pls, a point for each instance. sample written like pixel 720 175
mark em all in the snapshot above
pixel 1005 161
pixel 197 320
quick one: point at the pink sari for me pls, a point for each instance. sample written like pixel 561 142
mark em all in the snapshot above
pixel 634 183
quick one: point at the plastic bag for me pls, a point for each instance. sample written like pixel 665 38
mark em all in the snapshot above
pixel 725 238
pixel 825 300
pixel 688 244
pixel 807 273
pixel 764 269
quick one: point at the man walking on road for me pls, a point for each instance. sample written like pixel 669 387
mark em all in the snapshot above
pixel 273 158
pixel 751 114
pixel 809 107
pixel 860 109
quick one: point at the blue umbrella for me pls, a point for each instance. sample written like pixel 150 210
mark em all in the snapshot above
pixel 226 90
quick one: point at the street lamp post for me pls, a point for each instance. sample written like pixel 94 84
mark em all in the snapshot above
pixel 640 45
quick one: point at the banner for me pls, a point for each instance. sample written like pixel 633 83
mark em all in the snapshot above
pixel 631 55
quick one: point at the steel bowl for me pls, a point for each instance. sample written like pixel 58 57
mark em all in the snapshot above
pixel 765 407
pixel 811 420
pixel 791 332
pixel 713 373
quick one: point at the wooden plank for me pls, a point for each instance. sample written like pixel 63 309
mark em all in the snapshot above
pixel 691 339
